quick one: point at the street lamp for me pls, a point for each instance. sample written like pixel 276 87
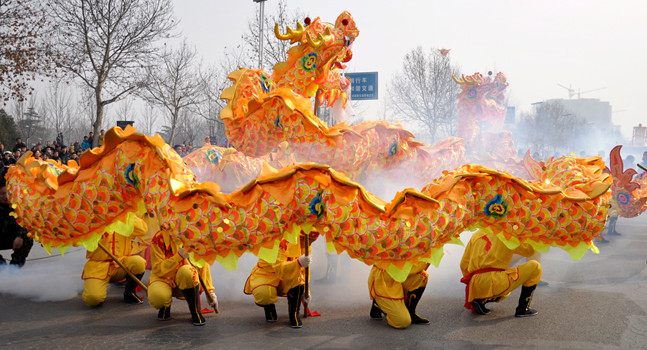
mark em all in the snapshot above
pixel 260 33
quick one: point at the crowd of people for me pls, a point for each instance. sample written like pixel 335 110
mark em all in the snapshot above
pixel 56 150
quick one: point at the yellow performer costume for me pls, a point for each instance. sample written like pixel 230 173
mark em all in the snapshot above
pixel 285 277
pixel 485 271
pixel 398 300
pixel 172 275
pixel 101 269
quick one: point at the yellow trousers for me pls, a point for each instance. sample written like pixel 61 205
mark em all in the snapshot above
pixel 390 294
pixel 501 283
pixel 266 294
pixel 161 294
pixel 95 290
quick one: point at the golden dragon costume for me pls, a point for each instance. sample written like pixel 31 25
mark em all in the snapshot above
pixel 133 174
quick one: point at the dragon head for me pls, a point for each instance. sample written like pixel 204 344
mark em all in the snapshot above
pixel 314 64
pixel 483 97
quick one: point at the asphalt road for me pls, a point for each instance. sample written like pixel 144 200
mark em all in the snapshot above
pixel 599 302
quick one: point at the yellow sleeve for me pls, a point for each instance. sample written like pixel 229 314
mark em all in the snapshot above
pixel 140 227
pixel 163 266
pixel 205 274
pixel 287 270
pixel 524 250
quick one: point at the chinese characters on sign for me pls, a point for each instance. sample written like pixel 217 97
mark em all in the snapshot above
pixel 363 85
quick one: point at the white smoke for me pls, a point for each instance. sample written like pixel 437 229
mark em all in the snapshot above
pixel 44 277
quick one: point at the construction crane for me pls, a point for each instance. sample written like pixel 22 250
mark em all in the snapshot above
pixel 571 91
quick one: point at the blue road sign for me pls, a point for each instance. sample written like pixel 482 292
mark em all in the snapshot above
pixel 363 85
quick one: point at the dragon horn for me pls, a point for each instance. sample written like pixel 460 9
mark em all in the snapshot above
pixel 321 39
pixel 459 81
pixel 291 34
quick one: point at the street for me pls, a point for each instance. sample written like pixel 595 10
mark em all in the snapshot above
pixel 599 302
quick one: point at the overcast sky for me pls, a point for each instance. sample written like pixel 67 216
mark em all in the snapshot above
pixel 584 44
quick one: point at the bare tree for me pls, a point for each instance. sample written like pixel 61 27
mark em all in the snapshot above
pixel 19 108
pixel 192 128
pixel 425 93
pixel 28 118
pixel 175 84
pixel 85 113
pixel 25 47
pixel 549 130
pixel 110 43
pixel 58 104
pixel 214 81
pixel 125 110
pixel 274 50
pixel 149 119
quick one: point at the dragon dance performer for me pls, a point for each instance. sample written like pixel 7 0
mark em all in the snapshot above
pixel 485 271
pixel 101 269
pixel 389 298
pixel 285 277
pixel 173 275
pixel 12 235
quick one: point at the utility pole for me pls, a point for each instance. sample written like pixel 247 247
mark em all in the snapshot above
pixel 261 19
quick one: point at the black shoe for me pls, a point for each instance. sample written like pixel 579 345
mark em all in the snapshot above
pixel 523 309
pixel 270 313
pixel 19 256
pixel 294 303
pixel 376 312
pixel 129 292
pixel 529 312
pixel 479 307
pixel 192 296
pixel 164 314
pixel 412 302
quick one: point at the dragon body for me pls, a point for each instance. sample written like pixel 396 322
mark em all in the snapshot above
pixel 230 168
pixel 136 175
pixel 481 116
pixel 263 111
pixel 629 190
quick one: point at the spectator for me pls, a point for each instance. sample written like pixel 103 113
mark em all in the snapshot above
pixel 178 149
pixel 64 154
pixel 629 162
pixel 101 135
pixel 91 139
pixel 49 152
pixel 77 146
pixel 19 144
pixel 643 162
pixel 59 139
pixel 37 154
pixel 12 235
pixel 7 160
pixel 86 144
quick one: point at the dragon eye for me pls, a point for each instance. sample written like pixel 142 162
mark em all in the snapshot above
pixel 344 22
